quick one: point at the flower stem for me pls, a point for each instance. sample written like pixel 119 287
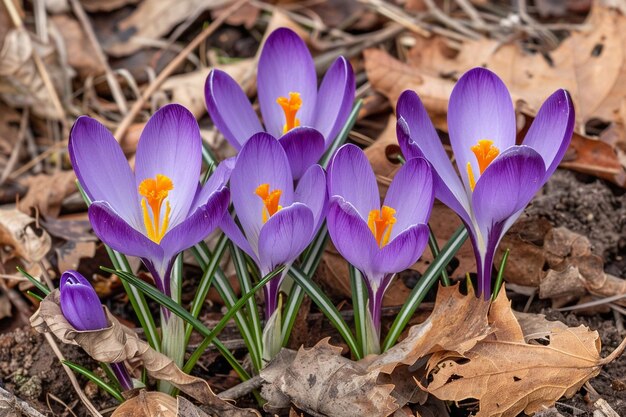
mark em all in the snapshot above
pixel 122 375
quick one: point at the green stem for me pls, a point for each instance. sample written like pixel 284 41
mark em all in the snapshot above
pixel 434 249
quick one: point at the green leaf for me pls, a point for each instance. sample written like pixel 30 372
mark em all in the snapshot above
pixel 434 249
pixel 423 286
pixel 94 378
pixel 38 284
pixel 343 134
pixel 327 307
pixel 359 305
pixel 500 277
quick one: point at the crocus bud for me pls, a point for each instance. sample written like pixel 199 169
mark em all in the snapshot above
pixel 82 308
pixel 80 303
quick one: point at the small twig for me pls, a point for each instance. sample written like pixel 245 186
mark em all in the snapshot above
pixel 21 135
pixel 55 348
pixel 167 71
pixel 116 90
pixel 615 354
pixel 24 168
pixel 397 15
pixel 473 14
pixel 242 389
pixel 438 14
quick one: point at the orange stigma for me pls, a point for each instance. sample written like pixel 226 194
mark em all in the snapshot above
pixel 380 223
pixel 290 106
pixel 485 153
pixel 270 200
pixel 155 191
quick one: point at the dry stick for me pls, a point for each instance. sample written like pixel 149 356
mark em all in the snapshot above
pixel 16 148
pixel 37 159
pixel 55 348
pixel 242 389
pixel 397 15
pixel 473 14
pixel 116 90
pixel 128 119
pixel 615 354
pixel 450 22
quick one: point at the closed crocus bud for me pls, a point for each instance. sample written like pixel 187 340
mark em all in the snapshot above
pixel 80 303
pixel 82 308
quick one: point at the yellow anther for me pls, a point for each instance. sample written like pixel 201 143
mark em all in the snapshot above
pixel 290 106
pixel 470 176
pixel 380 223
pixel 270 200
pixel 155 191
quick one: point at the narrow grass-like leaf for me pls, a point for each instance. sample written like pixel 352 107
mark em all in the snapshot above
pixel 167 302
pixel 434 249
pixel 359 305
pixel 423 286
pixel 310 262
pixel 95 379
pixel 500 277
pixel 38 284
pixel 253 312
pixel 327 307
pixel 205 282
pixel 226 292
pixel 36 296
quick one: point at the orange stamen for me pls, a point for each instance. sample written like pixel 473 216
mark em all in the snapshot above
pixel 380 223
pixel 155 191
pixel 290 106
pixel 270 200
pixel 485 153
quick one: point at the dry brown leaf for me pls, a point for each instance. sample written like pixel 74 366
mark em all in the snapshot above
pixel 47 192
pixel 105 5
pixel 78 49
pixel 20 235
pixel 70 253
pixel 321 382
pixel 507 375
pixel 21 85
pixel 148 404
pixel 118 343
pixel 153 19
pixel 456 324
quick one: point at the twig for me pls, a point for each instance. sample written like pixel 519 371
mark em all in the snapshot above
pixel 55 348
pixel 16 148
pixel 469 9
pixel 116 90
pixel 11 405
pixel 450 22
pixel 242 389
pixel 615 354
pixel 397 15
pixel 167 71
pixel 37 159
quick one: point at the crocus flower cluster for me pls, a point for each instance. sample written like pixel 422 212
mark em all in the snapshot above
pixel 81 307
pixel 498 177
pixel 289 100
pixel 379 240
pixel 161 208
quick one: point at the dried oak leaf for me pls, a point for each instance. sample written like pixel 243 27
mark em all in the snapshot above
pixel 47 192
pixel 118 343
pixel 321 382
pixel 507 375
pixel 19 233
pixel 456 324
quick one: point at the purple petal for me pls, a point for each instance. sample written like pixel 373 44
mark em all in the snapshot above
pixel 411 194
pixel 171 145
pixel 507 186
pixel 311 191
pixel 417 137
pixel 197 226
pixel 261 161
pixel 350 176
pixel 230 108
pixel 304 146
pixel 218 179
pixel 234 233
pixel 285 235
pixel 351 235
pixel 480 108
pixel 80 304
pixel 334 100
pixel 403 251
pixel 119 235
pixel 285 66
pixel 551 131
pixel 102 168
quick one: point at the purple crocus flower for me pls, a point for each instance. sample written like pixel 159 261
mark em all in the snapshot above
pixel 81 307
pixel 289 98
pixel 161 208
pixel 278 222
pixel 498 177
pixel 378 240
